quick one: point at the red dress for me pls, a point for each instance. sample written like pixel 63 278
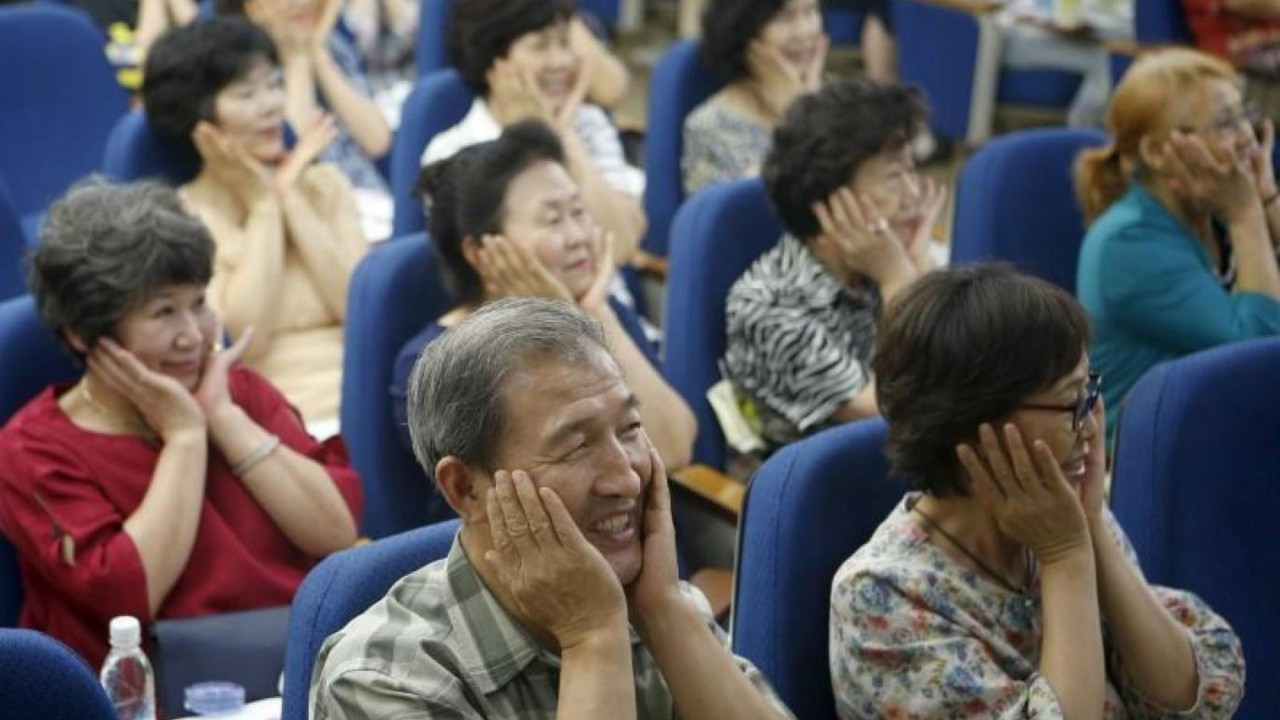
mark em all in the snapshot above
pixel 65 493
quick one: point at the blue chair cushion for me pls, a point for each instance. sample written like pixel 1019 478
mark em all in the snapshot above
pixel 808 508
pixel 341 587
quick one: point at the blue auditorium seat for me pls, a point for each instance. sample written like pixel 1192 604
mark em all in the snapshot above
pixel 341 587
pixel 808 508
pixel 1015 202
pixel 1196 486
pixel 716 236
pixel 394 293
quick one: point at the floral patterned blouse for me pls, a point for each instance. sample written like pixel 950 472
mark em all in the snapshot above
pixel 721 144
pixel 915 634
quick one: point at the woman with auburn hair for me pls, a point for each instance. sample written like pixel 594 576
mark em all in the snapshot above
pixel 1181 249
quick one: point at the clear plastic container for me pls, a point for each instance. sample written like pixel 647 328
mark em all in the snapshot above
pixel 126 673
pixel 213 698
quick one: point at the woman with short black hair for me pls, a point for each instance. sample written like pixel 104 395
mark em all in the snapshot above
pixel 1002 587
pixel 858 221
pixel 770 52
pixel 168 481
pixel 509 221
pixel 287 230
pixel 519 59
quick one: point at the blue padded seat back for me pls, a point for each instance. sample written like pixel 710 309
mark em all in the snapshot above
pixel 341 587
pixel 437 102
pixel 715 238
pixel 680 83
pixel 136 152
pixel 1015 202
pixel 58 106
pixel 42 678
pixel 1196 485
pixel 395 291
pixel 808 508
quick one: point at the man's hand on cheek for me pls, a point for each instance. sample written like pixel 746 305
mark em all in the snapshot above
pixel 658 583
pixel 559 582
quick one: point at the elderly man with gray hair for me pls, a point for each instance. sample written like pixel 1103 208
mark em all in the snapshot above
pixel 559 598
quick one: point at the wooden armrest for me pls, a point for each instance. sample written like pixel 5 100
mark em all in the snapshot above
pixel 650 264
pixel 715 487
pixel 717 585
pixel 973 7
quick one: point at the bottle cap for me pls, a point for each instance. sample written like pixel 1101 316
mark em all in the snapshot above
pixel 213 698
pixel 125 631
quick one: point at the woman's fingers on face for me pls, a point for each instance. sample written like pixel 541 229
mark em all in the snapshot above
pixel 822 211
pixel 984 485
pixel 1023 468
pixel 842 208
pixel 1050 470
pixel 997 459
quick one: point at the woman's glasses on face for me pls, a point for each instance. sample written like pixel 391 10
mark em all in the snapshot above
pixel 1230 121
pixel 1080 410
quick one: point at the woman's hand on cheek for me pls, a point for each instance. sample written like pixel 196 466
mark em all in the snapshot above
pixel 812 78
pixel 933 198
pixel 509 270
pixel 229 164
pixel 314 141
pixel 597 296
pixel 162 402
pixel 1027 496
pixel 213 393
pixel 1093 489
pixel 568 110
pixel 511 96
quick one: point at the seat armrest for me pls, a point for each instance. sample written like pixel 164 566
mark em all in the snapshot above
pixel 723 492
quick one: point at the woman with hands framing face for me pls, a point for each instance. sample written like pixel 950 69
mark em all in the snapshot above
pixel 1185 219
pixel 169 481
pixel 509 221
pixel 1002 587
pixel 858 222
pixel 527 59
pixel 322 74
pixel 771 52
pixel 287 232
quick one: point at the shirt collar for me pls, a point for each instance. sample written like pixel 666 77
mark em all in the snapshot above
pixel 501 648
pixel 822 287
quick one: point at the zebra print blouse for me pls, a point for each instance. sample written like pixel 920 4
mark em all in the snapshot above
pixel 799 340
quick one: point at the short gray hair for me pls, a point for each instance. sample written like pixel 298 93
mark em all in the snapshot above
pixel 455 391
pixel 104 249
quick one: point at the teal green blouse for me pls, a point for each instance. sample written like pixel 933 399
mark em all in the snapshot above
pixel 1152 295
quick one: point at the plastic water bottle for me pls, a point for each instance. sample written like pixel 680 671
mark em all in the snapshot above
pixel 126 673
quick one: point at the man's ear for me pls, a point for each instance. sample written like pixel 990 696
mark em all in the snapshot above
pixel 463 487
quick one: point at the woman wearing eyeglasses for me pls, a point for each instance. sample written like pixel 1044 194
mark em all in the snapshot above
pixel 1002 587
pixel 1185 216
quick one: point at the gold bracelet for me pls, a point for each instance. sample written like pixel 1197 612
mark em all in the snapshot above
pixel 259 454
